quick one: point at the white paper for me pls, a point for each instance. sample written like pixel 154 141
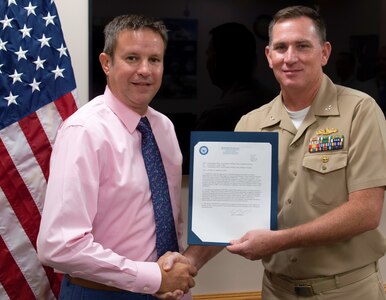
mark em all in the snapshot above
pixel 231 189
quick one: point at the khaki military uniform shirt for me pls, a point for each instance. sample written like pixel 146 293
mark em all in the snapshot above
pixel 314 183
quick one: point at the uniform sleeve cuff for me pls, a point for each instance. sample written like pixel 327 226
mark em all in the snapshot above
pixel 148 278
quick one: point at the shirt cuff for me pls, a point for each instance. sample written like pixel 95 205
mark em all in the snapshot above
pixel 148 278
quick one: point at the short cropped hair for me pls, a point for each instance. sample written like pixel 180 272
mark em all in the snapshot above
pixel 131 22
pixel 293 12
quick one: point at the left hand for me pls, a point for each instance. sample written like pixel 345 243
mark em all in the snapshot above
pixel 255 244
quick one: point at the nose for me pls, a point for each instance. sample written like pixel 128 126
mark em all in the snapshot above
pixel 143 68
pixel 290 56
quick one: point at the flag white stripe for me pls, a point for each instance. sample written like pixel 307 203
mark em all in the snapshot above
pixel 75 94
pixel 3 293
pixel 25 162
pixel 50 119
pixel 23 251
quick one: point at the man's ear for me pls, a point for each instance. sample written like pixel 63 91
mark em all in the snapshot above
pixel 105 61
pixel 267 54
pixel 326 51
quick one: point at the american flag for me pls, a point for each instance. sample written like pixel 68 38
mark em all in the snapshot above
pixel 37 92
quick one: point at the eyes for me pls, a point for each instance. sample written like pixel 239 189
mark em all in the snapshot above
pixel 301 46
pixel 134 59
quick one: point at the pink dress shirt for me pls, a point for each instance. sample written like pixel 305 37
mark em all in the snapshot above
pixel 98 220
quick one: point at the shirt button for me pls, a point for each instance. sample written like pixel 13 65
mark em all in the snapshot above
pixel 289 201
pixel 295 173
pixel 293 259
pixel 146 289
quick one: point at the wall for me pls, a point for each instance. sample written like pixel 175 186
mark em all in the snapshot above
pixel 226 272
pixel 74 18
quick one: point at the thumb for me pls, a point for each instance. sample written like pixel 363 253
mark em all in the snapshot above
pixel 169 261
pixel 234 242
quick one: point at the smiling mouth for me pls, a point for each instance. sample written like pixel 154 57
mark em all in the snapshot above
pixel 142 83
pixel 291 72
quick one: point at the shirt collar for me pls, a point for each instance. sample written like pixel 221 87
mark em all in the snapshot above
pixel 127 116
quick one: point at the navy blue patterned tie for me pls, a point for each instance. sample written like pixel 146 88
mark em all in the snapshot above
pixel 166 238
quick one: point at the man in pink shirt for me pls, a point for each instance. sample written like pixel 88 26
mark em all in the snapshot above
pixel 98 223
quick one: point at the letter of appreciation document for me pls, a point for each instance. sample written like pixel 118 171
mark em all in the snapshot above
pixel 233 185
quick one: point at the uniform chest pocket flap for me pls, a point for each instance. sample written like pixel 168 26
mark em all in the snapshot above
pixel 325 162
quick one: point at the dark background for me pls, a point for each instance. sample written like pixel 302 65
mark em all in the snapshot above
pixel 353 26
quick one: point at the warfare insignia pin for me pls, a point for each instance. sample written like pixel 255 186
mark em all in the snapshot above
pixel 326 131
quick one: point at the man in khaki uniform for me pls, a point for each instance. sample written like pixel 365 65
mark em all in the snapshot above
pixel 332 173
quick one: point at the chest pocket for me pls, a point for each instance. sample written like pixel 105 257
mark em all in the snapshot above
pixel 325 162
pixel 325 177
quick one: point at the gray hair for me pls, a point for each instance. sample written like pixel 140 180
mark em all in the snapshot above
pixel 131 22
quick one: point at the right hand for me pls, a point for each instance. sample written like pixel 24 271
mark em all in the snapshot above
pixel 179 277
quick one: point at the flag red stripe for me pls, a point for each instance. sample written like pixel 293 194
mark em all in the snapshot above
pixel 19 291
pixel 27 213
pixel 66 105
pixel 18 196
pixel 38 141
pixel 55 280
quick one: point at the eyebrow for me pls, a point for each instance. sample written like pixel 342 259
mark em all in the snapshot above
pixel 297 42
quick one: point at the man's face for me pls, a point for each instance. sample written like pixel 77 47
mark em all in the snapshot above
pixel 134 76
pixel 296 54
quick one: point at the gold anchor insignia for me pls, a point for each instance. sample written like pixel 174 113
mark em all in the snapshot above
pixel 326 131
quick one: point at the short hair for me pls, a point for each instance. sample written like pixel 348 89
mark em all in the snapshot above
pixel 131 22
pixel 293 12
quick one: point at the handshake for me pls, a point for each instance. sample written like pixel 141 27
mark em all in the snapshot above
pixel 178 270
pixel 177 276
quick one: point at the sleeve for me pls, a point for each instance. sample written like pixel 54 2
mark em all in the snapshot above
pixel 65 239
pixel 367 150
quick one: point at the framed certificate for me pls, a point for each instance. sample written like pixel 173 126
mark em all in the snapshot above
pixel 233 185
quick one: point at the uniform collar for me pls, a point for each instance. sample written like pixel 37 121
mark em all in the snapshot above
pixel 324 104
pixel 326 101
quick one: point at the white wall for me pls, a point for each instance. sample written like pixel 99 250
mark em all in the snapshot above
pixel 74 18
pixel 226 272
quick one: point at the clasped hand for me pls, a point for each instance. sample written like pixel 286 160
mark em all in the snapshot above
pixel 177 276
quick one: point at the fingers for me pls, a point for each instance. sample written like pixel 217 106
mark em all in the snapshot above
pixel 192 270
pixel 186 276
pixel 180 277
pixel 191 283
pixel 170 258
pixel 176 295
pixel 232 242
pixel 234 248
pixel 236 245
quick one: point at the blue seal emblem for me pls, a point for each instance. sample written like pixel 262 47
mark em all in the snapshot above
pixel 204 150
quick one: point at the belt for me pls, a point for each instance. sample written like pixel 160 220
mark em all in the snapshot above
pixel 92 284
pixel 314 286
